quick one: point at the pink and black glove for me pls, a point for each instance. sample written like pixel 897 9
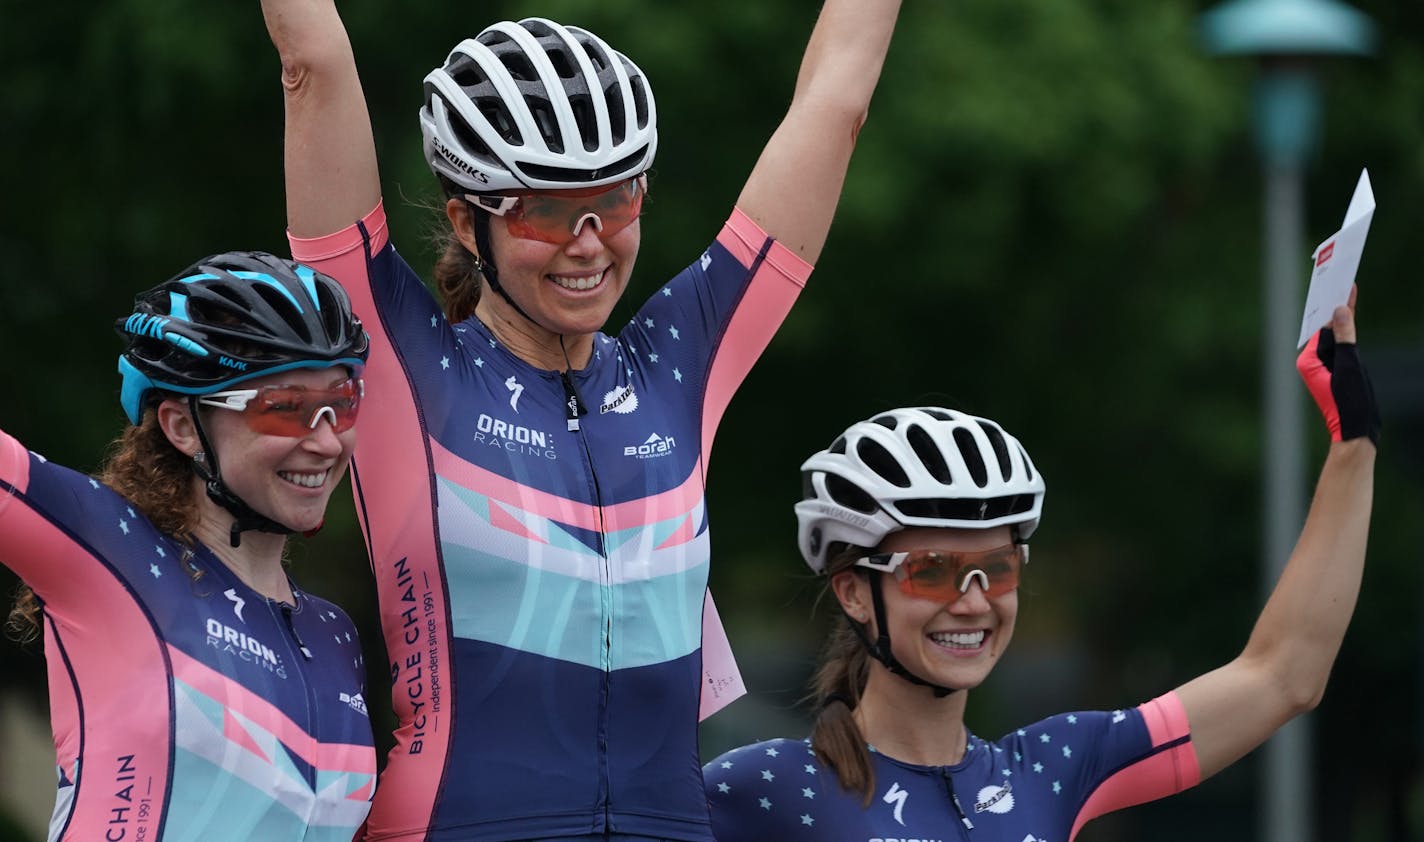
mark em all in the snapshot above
pixel 1336 378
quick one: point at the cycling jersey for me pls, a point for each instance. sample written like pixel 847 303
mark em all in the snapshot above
pixel 1038 784
pixel 544 631
pixel 183 708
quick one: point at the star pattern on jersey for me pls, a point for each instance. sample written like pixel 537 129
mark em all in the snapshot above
pixel 153 568
pixel 667 291
pixel 807 792
pixel 807 820
pixel 124 526
pixel 772 752
pixel 434 319
pixel 1071 719
pixel 675 334
pixel 723 788
pixel 767 775
pixel 479 362
pixel 648 323
pixel 445 363
pixel 677 374
pixel 161 553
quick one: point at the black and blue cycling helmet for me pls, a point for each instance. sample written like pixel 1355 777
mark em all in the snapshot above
pixel 232 317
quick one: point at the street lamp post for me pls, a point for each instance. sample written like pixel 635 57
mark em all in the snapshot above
pixel 1287 37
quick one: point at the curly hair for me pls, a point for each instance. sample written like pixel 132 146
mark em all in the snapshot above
pixel 143 466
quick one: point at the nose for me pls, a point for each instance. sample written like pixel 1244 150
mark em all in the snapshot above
pixel 586 241
pixel 323 437
pixel 974 599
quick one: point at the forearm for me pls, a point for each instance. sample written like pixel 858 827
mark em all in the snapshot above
pixel 1303 624
pixel 330 156
pixel 846 52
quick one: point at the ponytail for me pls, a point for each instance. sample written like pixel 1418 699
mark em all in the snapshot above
pixel 835 690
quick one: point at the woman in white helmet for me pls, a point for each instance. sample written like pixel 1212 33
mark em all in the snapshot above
pixel 531 487
pixel 920 519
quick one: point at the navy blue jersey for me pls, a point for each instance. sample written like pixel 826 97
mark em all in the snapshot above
pixel 542 582
pixel 1038 784
pixel 184 704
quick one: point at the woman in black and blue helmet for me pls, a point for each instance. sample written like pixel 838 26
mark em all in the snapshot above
pixel 195 690
pixel 920 520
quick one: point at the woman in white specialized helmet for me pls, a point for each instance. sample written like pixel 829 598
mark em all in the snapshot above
pixel 531 487
pixel 920 520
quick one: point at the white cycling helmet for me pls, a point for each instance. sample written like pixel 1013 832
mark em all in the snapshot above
pixel 923 466
pixel 535 105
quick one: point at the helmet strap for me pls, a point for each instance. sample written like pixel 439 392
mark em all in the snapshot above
pixel 245 517
pixel 880 649
pixel 480 221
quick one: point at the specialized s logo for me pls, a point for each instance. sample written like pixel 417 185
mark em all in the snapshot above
pixel 897 796
pixel 237 602
pixel 517 388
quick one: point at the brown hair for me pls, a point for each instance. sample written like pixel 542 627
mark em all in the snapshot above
pixel 457 271
pixel 457 277
pixel 835 690
pixel 143 466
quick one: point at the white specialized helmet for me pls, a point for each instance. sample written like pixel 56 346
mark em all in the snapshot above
pixel 923 466
pixel 535 105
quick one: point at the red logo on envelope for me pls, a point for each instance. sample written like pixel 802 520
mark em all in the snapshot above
pixel 1324 254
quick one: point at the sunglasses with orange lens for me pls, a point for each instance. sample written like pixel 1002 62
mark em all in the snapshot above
pixel 557 216
pixel 945 575
pixel 292 411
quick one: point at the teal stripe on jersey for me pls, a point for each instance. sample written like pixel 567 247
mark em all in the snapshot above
pixel 557 616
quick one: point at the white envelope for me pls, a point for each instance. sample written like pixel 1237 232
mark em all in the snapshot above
pixel 1336 261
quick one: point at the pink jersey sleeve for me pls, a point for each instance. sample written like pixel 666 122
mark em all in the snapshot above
pixel 1170 769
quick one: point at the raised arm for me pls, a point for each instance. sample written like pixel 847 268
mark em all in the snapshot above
pixel 793 189
pixel 1283 670
pixel 331 173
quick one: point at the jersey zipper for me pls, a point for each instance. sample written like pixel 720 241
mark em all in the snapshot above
pixel 574 410
pixel 964 824
pixel 299 653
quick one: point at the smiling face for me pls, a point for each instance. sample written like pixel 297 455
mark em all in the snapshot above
pixel 953 645
pixel 567 289
pixel 287 479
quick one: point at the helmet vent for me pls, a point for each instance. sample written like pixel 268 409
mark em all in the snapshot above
pixel 887 421
pixel 547 123
pixel 939 414
pixel 879 460
pixel 929 454
pixel 1001 449
pixel 969 450
pixel 849 495
pixel 837 446
pixel 284 310
pixel 616 116
pixel 493 110
pixel 640 94
pixel 564 175
pixel 587 121
pixel 520 68
pixel 1028 465
pixel 965 509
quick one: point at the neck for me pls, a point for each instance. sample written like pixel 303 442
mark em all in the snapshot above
pixel 257 563
pixel 529 341
pixel 906 721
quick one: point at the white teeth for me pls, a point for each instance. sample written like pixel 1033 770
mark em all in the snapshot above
pixel 586 282
pixel 966 640
pixel 304 480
